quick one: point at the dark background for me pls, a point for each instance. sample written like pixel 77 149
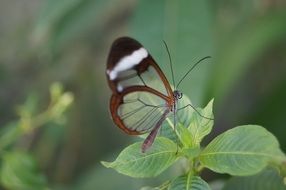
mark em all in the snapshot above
pixel 68 41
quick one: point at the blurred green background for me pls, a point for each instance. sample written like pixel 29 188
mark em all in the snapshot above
pixel 67 41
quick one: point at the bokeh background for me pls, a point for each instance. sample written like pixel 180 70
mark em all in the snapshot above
pixel 67 41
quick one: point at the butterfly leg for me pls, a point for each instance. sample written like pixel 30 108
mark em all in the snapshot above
pixel 190 105
pixel 175 124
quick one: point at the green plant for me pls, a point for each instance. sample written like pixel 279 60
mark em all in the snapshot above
pixel 246 150
pixel 19 169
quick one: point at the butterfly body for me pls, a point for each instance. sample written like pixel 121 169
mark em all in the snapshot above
pixel 142 97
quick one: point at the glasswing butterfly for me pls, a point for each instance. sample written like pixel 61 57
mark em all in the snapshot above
pixel 142 97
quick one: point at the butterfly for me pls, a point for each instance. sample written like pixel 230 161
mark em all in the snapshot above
pixel 142 97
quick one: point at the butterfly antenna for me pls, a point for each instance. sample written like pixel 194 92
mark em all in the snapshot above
pixel 207 57
pixel 171 64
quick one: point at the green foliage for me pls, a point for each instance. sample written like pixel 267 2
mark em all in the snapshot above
pixel 19 169
pixel 30 121
pixel 241 151
pixel 265 180
pixel 244 150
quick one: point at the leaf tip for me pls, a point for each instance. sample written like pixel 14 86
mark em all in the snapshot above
pixel 211 102
pixel 106 164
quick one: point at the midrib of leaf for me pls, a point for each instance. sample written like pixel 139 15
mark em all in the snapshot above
pixel 145 157
pixel 243 153
pixel 196 132
pixel 198 135
pixel 188 181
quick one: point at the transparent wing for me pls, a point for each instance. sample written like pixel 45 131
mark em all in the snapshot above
pixel 149 78
pixel 138 112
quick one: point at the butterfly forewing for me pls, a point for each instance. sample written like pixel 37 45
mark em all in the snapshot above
pixel 129 64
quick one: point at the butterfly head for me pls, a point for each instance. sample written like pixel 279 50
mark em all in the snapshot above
pixel 177 94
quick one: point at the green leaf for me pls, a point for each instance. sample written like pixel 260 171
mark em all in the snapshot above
pixel 244 150
pixel 189 183
pixel 19 171
pixel 185 136
pixel 268 179
pixel 168 132
pixel 185 115
pixel 200 126
pixel 191 152
pixel 132 162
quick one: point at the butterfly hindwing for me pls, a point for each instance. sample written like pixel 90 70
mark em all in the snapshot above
pixel 137 112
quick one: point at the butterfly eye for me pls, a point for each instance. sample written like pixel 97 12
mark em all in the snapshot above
pixel 180 95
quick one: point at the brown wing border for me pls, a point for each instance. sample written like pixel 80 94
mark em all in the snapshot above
pixel 117 99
